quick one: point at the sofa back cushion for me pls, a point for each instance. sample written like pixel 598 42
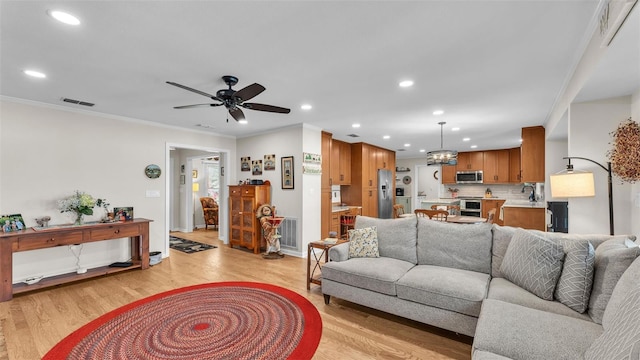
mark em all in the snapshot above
pixel 613 258
pixel 396 237
pixel 621 322
pixel 534 263
pixel 576 279
pixel 460 246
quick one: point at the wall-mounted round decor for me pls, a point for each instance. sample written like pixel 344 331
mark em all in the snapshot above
pixel 152 171
pixel 406 180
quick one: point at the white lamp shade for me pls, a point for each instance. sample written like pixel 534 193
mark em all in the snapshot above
pixel 576 184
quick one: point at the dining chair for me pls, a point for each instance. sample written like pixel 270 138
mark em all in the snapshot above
pixel 347 222
pixel 398 209
pixel 438 215
pixel 452 209
pixel 491 215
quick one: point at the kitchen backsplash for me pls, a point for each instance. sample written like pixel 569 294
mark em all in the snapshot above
pixel 502 191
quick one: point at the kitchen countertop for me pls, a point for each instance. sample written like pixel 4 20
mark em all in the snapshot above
pixel 343 208
pixel 525 204
pixel 441 200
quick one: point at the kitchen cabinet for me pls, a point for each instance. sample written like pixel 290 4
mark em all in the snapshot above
pixel 532 154
pixel 325 185
pixel 525 217
pixel 365 161
pixel 514 166
pixel 470 161
pixel 244 226
pixel 340 163
pixel 496 167
pixel 448 174
pixel 488 204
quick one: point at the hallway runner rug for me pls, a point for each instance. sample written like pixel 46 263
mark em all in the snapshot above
pixel 226 320
pixel 188 246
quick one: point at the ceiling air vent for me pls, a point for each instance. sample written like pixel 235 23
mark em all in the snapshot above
pixel 77 102
pixel 353 135
pixel 401 150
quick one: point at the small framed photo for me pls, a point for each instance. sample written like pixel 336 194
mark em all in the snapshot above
pixel 123 213
pixel 13 222
pixel 256 167
pixel 245 163
pixel 194 174
pixel 287 172
pixel 270 162
pixel 182 179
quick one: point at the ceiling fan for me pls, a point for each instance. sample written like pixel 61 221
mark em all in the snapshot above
pixel 233 100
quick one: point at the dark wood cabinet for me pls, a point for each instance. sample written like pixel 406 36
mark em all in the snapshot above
pixel 244 226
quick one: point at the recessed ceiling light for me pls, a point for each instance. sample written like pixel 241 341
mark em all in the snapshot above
pixel 386 137
pixel 406 83
pixel 243 121
pixel 474 146
pixel 64 17
pixel 306 107
pixel 438 112
pixel 422 150
pixel 34 73
pixel 355 125
pixel 455 129
pixel 466 139
pixel 407 145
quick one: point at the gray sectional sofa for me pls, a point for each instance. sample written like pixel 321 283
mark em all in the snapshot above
pixel 577 299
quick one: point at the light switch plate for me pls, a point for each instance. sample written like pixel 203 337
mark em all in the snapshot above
pixel 153 193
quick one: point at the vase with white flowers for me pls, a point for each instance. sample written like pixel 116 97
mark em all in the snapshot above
pixel 81 204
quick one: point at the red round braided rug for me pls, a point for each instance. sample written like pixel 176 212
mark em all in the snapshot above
pixel 226 320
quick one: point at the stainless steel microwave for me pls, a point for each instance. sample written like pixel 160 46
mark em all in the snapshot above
pixel 469 177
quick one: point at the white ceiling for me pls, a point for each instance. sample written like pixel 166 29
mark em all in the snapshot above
pixel 492 66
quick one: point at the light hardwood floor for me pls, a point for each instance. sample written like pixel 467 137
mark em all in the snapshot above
pixel 35 322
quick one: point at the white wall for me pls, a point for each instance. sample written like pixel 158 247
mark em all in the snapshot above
pixel 635 188
pixel 47 152
pixel 555 150
pixel 301 202
pixel 590 125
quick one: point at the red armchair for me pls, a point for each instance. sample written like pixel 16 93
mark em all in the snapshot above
pixel 210 211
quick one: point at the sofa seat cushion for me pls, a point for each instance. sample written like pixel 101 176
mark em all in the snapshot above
pixel 520 333
pixel 504 290
pixel 452 289
pixel 375 274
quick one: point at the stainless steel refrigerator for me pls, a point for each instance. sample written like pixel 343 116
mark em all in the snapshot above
pixel 386 189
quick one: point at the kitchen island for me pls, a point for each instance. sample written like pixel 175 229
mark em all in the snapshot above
pixel 525 214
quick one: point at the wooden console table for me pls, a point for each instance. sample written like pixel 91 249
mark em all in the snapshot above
pixel 137 230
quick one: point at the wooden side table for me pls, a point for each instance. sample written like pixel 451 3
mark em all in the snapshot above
pixel 318 260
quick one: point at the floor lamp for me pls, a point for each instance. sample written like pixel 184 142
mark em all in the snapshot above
pixel 570 183
pixel 196 188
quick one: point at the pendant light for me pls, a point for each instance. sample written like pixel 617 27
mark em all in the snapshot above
pixel 442 157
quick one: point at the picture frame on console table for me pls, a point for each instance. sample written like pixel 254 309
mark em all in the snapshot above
pixel 287 172
pixel 13 222
pixel 123 213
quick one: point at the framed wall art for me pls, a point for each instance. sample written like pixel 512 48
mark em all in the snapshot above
pixel 269 162
pixel 287 172
pixel 245 163
pixel 256 167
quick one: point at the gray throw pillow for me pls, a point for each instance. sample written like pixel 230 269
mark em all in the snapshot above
pixel 576 279
pixel 533 263
pixel 613 257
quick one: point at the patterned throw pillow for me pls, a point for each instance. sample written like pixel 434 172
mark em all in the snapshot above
pixel 533 263
pixel 576 279
pixel 363 243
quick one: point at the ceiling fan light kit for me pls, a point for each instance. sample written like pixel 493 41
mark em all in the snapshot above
pixel 233 100
pixel 442 157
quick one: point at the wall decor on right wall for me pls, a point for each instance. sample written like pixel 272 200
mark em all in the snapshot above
pixel 625 155
pixel 287 172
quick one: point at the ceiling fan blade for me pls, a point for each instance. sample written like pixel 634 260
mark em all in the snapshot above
pixel 194 106
pixel 249 92
pixel 263 107
pixel 237 114
pixel 193 90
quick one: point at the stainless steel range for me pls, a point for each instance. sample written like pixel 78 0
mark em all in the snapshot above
pixel 471 206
